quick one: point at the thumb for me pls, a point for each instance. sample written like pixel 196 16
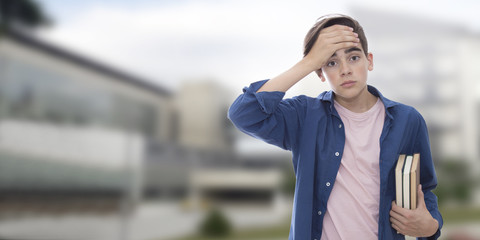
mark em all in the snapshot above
pixel 420 197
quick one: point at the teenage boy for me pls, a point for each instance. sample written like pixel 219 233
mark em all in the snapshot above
pixel 344 143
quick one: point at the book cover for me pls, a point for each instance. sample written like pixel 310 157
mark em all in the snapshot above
pixel 398 180
pixel 406 182
pixel 414 180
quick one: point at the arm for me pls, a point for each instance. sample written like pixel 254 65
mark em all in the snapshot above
pixel 425 221
pixel 266 116
pixel 428 176
pixel 328 42
pixel 260 111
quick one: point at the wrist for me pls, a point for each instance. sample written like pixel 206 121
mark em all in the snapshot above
pixel 310 64
pixel 433 227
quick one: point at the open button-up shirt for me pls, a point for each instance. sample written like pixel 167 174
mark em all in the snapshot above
pixel 312 129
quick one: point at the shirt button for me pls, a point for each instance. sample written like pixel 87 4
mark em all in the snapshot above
pixel 328 184
pixel 337 154
pixel 339 125
pixel 319 212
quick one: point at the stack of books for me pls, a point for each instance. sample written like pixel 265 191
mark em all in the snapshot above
pixel 407 178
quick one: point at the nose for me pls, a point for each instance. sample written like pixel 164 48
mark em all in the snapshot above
pixel 345 69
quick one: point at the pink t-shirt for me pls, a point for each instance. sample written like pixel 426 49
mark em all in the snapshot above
pixel 352 209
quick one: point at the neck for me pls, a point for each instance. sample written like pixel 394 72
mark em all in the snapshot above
pixel 358 104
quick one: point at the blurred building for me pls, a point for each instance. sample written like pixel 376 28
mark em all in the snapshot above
pixel 201 137
pixel 72 130
pixel 72 127
pixel 202 122
pixel 220 173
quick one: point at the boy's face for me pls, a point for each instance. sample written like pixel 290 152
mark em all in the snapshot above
pixel 346 71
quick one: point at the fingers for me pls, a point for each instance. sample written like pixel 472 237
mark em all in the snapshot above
pixel 336 28
pixel 397 225
pixel 416 222
pixel 397 216
pixel 329 41
pixel 396 219
pixel 339 32
pixel 398 213
pixel 396 208
pixel 344 39
pixel 337 37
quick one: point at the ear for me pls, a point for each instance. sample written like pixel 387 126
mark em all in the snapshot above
pixel 319 73
pixel 370 61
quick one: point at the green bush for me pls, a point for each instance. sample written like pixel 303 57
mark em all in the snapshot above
pixel 215 225
pixel 455 183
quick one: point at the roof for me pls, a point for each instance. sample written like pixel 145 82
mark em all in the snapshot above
pixel 32 42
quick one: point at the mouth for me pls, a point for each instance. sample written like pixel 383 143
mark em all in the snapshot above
pixel 348 83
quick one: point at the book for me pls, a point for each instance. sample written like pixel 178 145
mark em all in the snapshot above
pixel 398 180
pixel 407 178
pixel 406 182
pixel 414 180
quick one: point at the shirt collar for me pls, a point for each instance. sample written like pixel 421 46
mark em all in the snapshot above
pixel 389 104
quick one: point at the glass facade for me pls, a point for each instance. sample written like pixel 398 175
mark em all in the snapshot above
pixel 28 92
pixel 95 133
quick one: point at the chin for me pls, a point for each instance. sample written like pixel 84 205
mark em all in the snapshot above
pixel 349 93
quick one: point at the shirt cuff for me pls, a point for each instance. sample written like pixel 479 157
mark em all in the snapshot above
pixel 268 100
pixel 440 225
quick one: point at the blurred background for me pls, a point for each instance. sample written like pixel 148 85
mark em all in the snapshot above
pixel 113 112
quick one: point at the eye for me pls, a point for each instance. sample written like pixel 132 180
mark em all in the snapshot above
pixel 331 64
pixel 355 58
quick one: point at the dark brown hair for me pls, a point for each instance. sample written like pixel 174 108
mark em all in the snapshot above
pixel 330 20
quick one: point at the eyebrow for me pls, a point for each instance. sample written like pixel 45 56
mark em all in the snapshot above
pixel 353 49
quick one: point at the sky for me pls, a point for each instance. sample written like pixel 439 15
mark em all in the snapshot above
pixel 229 42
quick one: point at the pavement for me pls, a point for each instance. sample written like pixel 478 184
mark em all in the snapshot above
pixel 150 221
pixel 165 220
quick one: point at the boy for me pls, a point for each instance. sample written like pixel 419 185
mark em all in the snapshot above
pixel 344 143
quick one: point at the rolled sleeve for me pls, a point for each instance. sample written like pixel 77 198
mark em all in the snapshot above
pixel 265 115
pixel 268 100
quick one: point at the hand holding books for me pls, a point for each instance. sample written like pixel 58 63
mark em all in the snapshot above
pixel 409 214
pixel 407 179
pixel 415 223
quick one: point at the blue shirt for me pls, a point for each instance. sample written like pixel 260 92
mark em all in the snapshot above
pixel 312 129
